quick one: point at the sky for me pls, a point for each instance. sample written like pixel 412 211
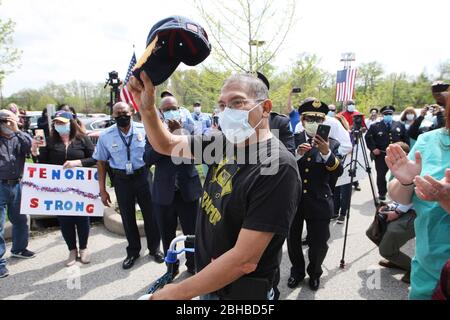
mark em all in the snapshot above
pixel 65 40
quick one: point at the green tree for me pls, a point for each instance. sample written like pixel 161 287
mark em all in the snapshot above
pixel 9 55
pixel 247 35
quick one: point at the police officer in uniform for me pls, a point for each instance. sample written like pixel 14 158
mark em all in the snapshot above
pixel 281 123
pixel 319 163
pixel 380 135
pixel 123 146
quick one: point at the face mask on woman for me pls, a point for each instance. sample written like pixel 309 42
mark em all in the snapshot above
pixel 311 128
pixel 410 117
pixel 63 129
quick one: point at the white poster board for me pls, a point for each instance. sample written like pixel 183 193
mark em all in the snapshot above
pixel 53 191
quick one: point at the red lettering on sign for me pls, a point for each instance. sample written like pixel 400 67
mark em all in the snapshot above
pixel 34 203
pixel 90 208
pixel 31 171
pixel 43 173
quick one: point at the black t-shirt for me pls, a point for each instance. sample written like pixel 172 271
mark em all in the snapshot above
pixel 262 196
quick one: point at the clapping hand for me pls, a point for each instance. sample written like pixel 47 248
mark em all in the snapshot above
pixel 430 189
pixel 401 167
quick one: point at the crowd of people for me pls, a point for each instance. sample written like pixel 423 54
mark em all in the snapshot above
pixel 266 176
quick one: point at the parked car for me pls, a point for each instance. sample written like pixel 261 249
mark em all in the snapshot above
pixel 96 125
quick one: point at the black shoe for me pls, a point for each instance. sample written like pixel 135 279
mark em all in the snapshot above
pixel 293 282
pixel 341 220
pixel 128 263
pixel 334 217
pixel 3 272
pixel 25 254
pixel 357 188
pixel 382 198
pixel 157 255
pixel 314 284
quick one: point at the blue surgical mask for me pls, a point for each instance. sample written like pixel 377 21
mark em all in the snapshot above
pixel 172 115
pixel 63 129
pixel 351 108
pixel 388 119
pixel 331 114
pixel 235 126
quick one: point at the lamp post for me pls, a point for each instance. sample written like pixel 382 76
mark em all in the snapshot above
pixel 348 58
pixel 257 44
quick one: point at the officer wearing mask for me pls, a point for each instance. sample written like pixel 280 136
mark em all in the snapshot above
pixel 378 138
pixel 123 146
pixel 320 166
pixel 202 121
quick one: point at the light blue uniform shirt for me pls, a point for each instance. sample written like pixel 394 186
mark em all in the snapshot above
pixel 432 224
pixel 110 147
pixel 202 123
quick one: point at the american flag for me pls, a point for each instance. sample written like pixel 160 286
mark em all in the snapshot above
pixel 345 85
pixel 125 95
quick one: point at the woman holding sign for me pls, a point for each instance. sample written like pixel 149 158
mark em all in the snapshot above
pixel 68 147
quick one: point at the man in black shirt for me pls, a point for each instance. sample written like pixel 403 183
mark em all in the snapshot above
pixel 249 198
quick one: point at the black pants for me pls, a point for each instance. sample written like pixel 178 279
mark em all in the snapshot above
pixel 70 226
pixel 167 218
pixel 128 191
pixel 382 169
pixel 317 237
pixel 341 199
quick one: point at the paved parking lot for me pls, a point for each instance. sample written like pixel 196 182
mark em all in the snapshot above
pixel 46 277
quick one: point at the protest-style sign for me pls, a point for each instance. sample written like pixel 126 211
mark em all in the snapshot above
pixel 50 190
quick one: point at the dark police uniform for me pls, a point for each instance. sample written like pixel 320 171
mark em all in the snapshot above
pixel 380 136
pixel 281 123
pixel 316 203
pixel 176 191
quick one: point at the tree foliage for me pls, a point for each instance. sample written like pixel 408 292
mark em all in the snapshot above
pixel 9 55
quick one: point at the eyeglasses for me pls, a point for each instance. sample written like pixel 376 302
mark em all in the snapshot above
pixel 238 103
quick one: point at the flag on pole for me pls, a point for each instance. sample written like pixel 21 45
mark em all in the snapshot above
pixel 125 95
pixel 345 85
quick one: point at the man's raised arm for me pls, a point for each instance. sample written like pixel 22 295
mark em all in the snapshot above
pixel 159 137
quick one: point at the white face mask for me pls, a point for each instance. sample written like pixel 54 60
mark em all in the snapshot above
pixel 410 117
pixel 351 108
pixel 235 126
pixel 311 128
pixel 198 110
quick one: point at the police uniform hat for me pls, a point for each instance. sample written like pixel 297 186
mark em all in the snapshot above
pixel 387 110
pixel 374 109
pixel 171 41
pixel 313 107
pixel 439 86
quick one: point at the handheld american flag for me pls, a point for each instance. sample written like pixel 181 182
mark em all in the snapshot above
pixel 345 85
pixel 125 95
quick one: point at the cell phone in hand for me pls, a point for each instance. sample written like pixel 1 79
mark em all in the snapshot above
pixel 216 120
pixel 296 90
pixel 323 131
pixel 39 136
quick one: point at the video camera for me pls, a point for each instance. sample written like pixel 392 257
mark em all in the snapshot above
pixel 357 122
pixel 113 80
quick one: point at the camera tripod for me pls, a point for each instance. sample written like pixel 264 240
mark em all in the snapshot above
pixel 359 146
pixel 114 94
